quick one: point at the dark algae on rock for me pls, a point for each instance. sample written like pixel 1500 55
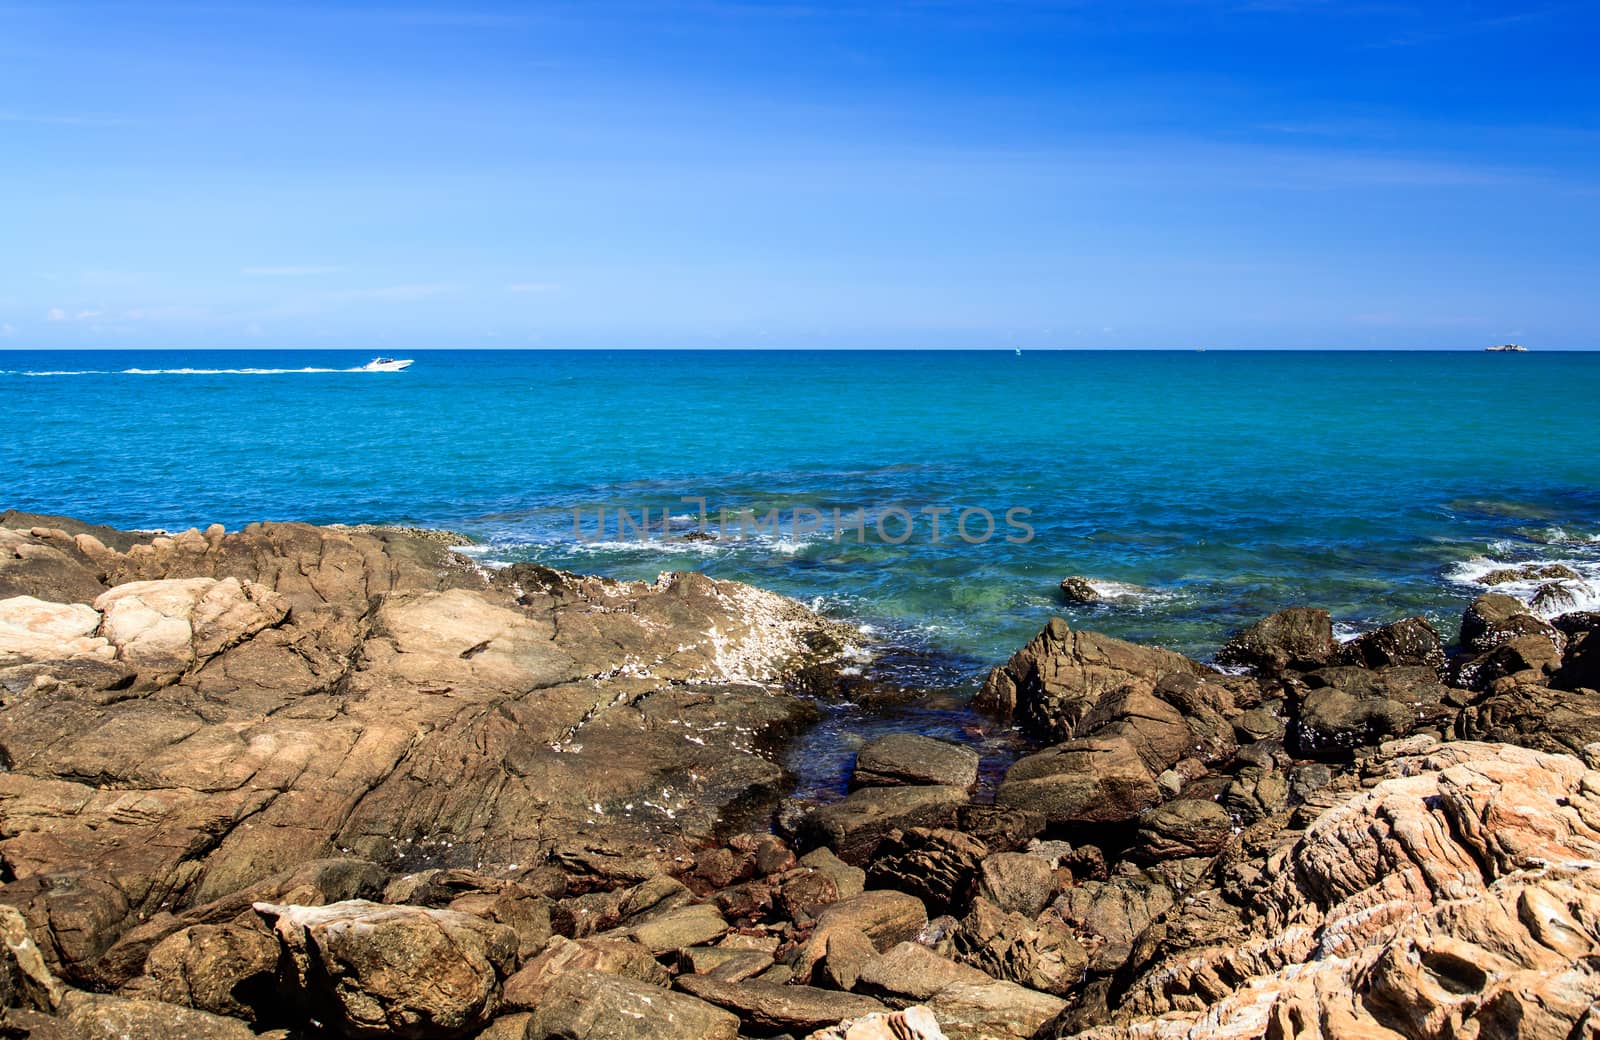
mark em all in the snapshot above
pixel 340 782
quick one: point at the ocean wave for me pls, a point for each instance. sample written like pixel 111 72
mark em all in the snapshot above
pixel 1127 592
pixel 1344 631
pixel 1550 586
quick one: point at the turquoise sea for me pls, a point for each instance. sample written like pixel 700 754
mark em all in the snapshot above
pixel 1199 490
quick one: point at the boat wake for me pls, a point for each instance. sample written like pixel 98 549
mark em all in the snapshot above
pixel 187 371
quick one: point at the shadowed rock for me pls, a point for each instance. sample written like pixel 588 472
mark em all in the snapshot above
pixel 1299 637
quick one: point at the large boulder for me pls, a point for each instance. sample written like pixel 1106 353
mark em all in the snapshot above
pixel 1089 781
pixel 1298 637
pixel 1412 641
pixel 1109 915
pixel 1183 827
pixel 43 561
pixel 225 969
pixel 935 865
pixel 370 970
pixel 168 626
pixel 1580 664
pixel 1054 681
pixel 287 693
pixel 968 1003
pixel 33 629
pixel 884 916
pixel 1458 888
pixel 1040 953
pixel 98 1016
pixel 855 827
pixel 766 1007
pixel 1340 709
pixel 1494 619
pixel 912 759
pixel 1538 717
pixel 561 956
pixel 587 1005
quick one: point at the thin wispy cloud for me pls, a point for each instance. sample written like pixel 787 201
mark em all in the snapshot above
pixel 62 314
pixel 290 270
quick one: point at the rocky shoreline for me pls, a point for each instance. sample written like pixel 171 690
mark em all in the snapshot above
pixel 340 782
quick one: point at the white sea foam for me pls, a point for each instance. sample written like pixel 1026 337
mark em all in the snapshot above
pixel 1344 631
pixel 1581 593
pixel 178 371
pixel 229 371
pixel 1127 591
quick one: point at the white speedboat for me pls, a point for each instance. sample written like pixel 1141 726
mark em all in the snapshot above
pixel 386 364
pixel 1507 348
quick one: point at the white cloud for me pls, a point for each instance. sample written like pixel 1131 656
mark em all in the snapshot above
pixel 533 287
pixel 290 271
pixel 58 314
pixel 7 329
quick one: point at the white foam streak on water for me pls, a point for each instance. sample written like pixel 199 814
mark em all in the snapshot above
pixel 1583 592
pixel 1344 632
pixel 186 372
pixel 1127 592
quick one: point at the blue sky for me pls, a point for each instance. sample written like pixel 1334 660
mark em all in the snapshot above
pixel 1029 173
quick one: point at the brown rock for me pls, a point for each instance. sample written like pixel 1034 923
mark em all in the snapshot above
pixel 25 980
pixel 679 928
pixel 769 1008
pixel 1412 641
pixel 1456 889
pixel 1299 637
pixel 910 759
pixel 935 865
pixel 375 970
pixel 1050 684
pixel 1185 827
pixel 95 1016
pixel 848 880
pixel 1041 954
pixel 586 1005
pixel 969 1004
pixel 885 917
pixel 1078 590
pixel 913 1023
pixel 290 692
pixel 221 968
pixel 1017 882
pixel 806 892
pixel 1494 619
pixel 1108 915
pixel 525 989
pixel 854 827
pixel 846 951
pixel 1092 780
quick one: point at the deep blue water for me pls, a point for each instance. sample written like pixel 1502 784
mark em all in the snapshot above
pixel 1217 486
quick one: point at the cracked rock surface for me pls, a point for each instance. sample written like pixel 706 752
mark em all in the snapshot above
pixel 195 714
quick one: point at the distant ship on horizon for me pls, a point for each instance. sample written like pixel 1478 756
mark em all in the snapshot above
pixel 1507 348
